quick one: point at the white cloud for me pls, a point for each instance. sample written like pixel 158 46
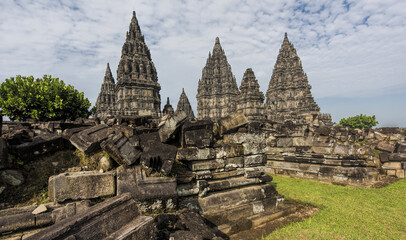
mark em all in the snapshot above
pixel 348 48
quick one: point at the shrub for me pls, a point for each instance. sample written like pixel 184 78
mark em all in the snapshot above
pixel 44 99
pixel 359 121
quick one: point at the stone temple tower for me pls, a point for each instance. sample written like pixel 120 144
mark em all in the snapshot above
pixel 288 95
pixel 106 101
pixel 217 91
pixel 251 99
pixel 137 88
pixel 184 105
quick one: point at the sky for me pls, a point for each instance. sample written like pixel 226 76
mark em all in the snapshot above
pixel 354 52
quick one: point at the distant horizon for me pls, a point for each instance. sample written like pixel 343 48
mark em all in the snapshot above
pixel 352 51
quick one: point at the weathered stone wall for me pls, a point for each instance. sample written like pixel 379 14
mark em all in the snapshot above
pixel 217 168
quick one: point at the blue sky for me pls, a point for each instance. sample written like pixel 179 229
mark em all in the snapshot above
pixel 354 52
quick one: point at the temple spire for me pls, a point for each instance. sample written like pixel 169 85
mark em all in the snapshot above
pixel 108 76
pixel 288 95
pixel 250 100
pixel 137 80
pixel 217 90
pixel 184 105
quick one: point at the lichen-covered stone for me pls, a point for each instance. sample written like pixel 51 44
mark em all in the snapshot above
pixel 81 185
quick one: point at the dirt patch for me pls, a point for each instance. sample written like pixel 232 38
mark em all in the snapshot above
pixel 302 212
pixel 384 181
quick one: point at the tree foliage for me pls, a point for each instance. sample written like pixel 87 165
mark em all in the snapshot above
pixel 360 121
pixel 44 99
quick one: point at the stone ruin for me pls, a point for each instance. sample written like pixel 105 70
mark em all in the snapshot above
pixel 183 178
pixel 177 177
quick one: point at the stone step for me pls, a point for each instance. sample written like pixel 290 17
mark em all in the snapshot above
pixel 141 227
pixel 259 220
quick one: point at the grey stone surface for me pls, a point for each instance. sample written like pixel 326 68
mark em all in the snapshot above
pixel 141 187
pixel 120 148
pixel 197 133
pixel 171 126
pixel 142 227
pixel 232 122
pixel 12 177
pixel 88 141
pixel 254 160
pixel 98 222
pixel 384 146
pixel 81 185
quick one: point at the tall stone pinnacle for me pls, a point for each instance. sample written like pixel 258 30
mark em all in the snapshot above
pixel 251 99
pixel 184 105
pixel 288 95
pixel 105 104
pixel 137 87
pixel 108 76
pixel 217 91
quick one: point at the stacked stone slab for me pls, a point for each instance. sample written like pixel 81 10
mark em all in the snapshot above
pixel 106 101
pixel 251 99
pixel 137 89
pixel 217 91
pixel 184 105
pixel 226 183
pixel 334 155
pixel 288 95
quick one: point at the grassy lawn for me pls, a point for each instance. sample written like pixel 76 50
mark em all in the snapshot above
pixel 345 212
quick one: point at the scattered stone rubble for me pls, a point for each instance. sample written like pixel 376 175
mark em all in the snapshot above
pixel 215 168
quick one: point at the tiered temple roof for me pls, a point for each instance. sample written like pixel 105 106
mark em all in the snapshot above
pixel 288 95
pixel 137 88
pixel 184 105
pixel 251 99
pixel 106 100
pixel 217 91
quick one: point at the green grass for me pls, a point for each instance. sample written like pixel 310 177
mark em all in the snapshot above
pixel 345 212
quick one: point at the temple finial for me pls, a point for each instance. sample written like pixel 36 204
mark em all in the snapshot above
pixel 217 40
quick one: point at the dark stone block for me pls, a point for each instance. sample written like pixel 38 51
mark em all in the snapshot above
pixel 158 156
pixel 47 143
pixel 16 219
pixel 401 148
pixel 121 149
pixel 88 141
pixel 141 187
pixel 3 154
pixel 387 147
pixel 98 222
pixel 197 133
pixel 397 157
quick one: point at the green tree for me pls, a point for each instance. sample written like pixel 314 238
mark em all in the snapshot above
pixel 360 121
pixel 44 99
